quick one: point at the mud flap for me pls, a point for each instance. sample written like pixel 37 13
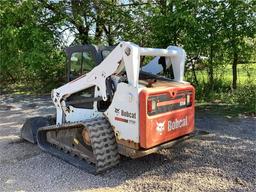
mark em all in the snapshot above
pixel 30 127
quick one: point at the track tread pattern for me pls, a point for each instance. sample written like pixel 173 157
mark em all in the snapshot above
pixel 103 142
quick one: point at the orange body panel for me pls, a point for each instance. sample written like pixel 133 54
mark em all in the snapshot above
pixel 174 123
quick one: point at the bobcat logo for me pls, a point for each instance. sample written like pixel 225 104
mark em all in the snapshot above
pixel 160 127
pixel 117 111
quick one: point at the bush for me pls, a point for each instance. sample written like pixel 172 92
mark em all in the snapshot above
pixel 246 96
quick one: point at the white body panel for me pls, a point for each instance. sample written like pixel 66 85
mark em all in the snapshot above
pixel 123 113
pixel 78 114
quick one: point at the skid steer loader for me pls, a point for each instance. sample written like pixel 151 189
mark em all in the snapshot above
pixel 114 105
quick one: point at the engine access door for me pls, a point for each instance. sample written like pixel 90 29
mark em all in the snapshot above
pixel 166 113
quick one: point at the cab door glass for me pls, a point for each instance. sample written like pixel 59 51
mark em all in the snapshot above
pixel 75 65
pixel 88 62
pixel 81 63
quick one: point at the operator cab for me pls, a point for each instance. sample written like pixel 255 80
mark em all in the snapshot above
pixel 80 60
pixel 83 58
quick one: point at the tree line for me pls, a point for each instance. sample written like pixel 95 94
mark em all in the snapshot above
pixel 33 33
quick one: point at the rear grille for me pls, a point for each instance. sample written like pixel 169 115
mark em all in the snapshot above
pixel 166 103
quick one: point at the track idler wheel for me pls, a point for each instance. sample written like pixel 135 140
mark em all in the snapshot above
pixel 86 136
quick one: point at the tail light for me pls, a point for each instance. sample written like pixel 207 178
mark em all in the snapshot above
pixel 152 105
pixel 189 100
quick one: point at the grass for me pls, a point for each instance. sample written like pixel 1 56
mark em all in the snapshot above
pixel 220 98
pixel 223 109
pixel 245 72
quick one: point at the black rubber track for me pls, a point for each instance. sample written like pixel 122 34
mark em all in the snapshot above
pixel 103 144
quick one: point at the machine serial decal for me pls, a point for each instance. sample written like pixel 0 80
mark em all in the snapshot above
pixel 160 127
pixel 132 122
pixel 125 120
pixel 177 123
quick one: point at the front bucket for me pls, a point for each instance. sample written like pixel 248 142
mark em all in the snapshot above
pixel 30 127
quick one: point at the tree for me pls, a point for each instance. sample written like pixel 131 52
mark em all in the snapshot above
pixel 32 32
pixel 92 21
pixel 239 23
pixel 28 47
pixel 209 35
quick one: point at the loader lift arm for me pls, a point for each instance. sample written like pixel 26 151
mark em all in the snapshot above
pixel 126 55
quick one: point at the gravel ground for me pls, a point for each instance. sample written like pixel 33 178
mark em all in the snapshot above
pixel 224 160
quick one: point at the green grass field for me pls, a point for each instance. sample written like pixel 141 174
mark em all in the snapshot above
pixel 246 72
pixel 241 100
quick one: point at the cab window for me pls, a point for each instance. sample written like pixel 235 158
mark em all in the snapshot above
pixel 81 63
pixel 88 62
